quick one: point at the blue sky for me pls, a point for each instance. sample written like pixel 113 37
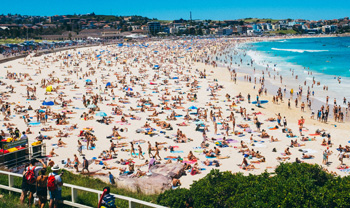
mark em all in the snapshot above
pixel 201 9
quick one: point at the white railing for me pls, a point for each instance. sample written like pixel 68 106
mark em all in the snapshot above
pixel 74 193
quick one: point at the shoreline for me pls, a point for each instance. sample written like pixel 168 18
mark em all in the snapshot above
pixel 291 83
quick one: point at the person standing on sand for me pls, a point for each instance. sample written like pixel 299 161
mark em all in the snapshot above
pixel 150 150
pixel 76 163
pixel 132 150
pixel 140 152
pixel 80 148
pixel 157 152
pixel 325 157
pixel 288 103
pixel 85 165
pixel 279 119
pixel 341 157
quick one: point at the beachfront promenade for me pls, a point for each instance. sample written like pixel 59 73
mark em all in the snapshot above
pixel 74 193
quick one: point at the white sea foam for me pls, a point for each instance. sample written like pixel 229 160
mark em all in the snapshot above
pixel 298 50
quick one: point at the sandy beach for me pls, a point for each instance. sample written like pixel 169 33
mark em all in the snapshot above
pixel 167 92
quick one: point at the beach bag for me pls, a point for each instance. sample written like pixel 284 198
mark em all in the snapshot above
pixel 30 176
pixel 51 183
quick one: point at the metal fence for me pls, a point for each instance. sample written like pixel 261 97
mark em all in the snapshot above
pixel 74 193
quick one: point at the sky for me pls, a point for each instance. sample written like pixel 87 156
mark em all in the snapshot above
pixel 170 10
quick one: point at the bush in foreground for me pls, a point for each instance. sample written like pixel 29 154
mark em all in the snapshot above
pixel 292 185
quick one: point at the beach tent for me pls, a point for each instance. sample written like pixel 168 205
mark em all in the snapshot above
pixel 48 103
pixel 49 88
pixel 101 114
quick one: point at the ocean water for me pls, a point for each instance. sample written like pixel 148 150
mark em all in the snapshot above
pixel 326 60
pixel 329 56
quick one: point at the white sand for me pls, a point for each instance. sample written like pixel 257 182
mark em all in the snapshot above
pixel 168 59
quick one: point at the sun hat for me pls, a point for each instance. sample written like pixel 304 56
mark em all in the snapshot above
pixel 55 168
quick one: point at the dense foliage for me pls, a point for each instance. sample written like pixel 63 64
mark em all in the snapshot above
pixel 292 185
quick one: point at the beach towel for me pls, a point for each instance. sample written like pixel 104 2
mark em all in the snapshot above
pixel 190 161
pixel 177 151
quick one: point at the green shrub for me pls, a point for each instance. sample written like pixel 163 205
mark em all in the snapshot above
pixel 291 185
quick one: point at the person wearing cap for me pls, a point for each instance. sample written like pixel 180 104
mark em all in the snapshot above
pixel 31 188
pixel 56 195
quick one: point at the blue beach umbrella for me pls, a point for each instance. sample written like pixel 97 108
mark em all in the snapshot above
pixel 88 80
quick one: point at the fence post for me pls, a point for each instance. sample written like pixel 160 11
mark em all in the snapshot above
pixel 74 195
pixel 11 181
pixel 98 196
pixel 131 204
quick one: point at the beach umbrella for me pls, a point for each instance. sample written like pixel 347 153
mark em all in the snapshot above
pixel 175 77
pixel 41 111
pixel 48 103
pixel 88 80
pixel 193 107
pixel 91 106
pixel 101 114
pixel 108 84
pixel 128 89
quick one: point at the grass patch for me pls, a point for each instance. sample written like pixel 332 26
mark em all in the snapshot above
pixel 89 199
pixel 283 32
pixel 16 41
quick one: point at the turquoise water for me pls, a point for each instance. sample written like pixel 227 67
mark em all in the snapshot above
pixel 330 56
